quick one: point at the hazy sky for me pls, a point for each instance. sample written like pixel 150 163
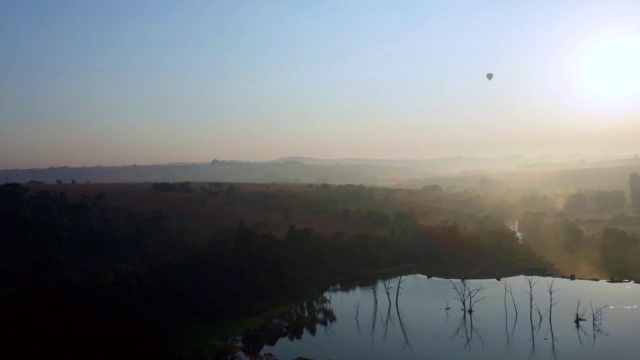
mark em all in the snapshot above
pixel 123 82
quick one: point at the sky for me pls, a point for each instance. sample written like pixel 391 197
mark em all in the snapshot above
pixel 146 82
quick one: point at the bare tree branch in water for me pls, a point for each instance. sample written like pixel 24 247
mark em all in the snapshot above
pixel 531 284
pixel 513 300
pixel 357 306
pixel 472 297
pixel 466 296
pixel 581 332
pixel 596 321
pixel 579 314
pixel 386 322
pixel 551 291
pixel 461 294
pixel 506 314
pixel 578 321
pixel 374 289
pixel 539 317
pixel 387 288
pixel 466 325
pixel 507 289
pixel 404 332
pixel 597 313
pixel 503 291
pixel 398 287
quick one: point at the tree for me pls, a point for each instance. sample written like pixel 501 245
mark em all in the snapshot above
pixel 576 203
pixel 617 251
pixel 634 191
pixel 610 200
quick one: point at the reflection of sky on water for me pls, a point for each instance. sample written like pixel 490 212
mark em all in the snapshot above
pixel 420 327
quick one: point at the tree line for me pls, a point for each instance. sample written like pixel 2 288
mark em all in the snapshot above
pixel 86 278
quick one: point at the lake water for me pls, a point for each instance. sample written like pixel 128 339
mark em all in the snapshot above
pixel 362 323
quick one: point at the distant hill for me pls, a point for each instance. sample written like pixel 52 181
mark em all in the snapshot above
pixel 516 171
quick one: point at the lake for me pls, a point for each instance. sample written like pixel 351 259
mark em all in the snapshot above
pixel 427 321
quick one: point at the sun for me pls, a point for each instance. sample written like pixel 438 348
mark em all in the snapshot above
pixel 609 71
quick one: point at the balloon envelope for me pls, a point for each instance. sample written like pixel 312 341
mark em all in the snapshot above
pixel 489 76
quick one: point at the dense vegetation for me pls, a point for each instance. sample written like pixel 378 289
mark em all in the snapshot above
pixel 86 275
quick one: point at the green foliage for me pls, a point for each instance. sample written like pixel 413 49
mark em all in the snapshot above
pixel 572 235
pixel 617 250
pixel 610 200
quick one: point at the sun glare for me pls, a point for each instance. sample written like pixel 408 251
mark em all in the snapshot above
pixel 610 72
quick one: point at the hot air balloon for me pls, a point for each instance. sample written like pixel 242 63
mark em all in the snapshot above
pixel 489 76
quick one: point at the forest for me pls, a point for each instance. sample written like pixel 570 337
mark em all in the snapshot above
pixel 100 270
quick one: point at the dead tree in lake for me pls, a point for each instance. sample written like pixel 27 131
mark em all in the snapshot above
pixel 506 314
pixel 404 332
pixel 504 297
pixel 513 301
pixel 357 306
pixel 531 284
pixel 387 288
pixel 578 321
pixel 596 321
pixel 539 318
pixel 507 288
pixel 386 322
pixel 466 326
pixel 467 296
pixel 579 314
pixel 472 297
pixel 551 291
pixel 461 293
pixel 398 287
pixel 374 289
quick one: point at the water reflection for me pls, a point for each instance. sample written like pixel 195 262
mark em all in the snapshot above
pixel 374 290
pixel 388 318
pixel 385 322
pixel 468 331
pixel 580 331
pixel 415 305
pixel 292 324
pixel 468 298
pixel 507 289
pixel 552 290
pixel 406 344
pixel 597 316
pixel 531 283
pixel 357 306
